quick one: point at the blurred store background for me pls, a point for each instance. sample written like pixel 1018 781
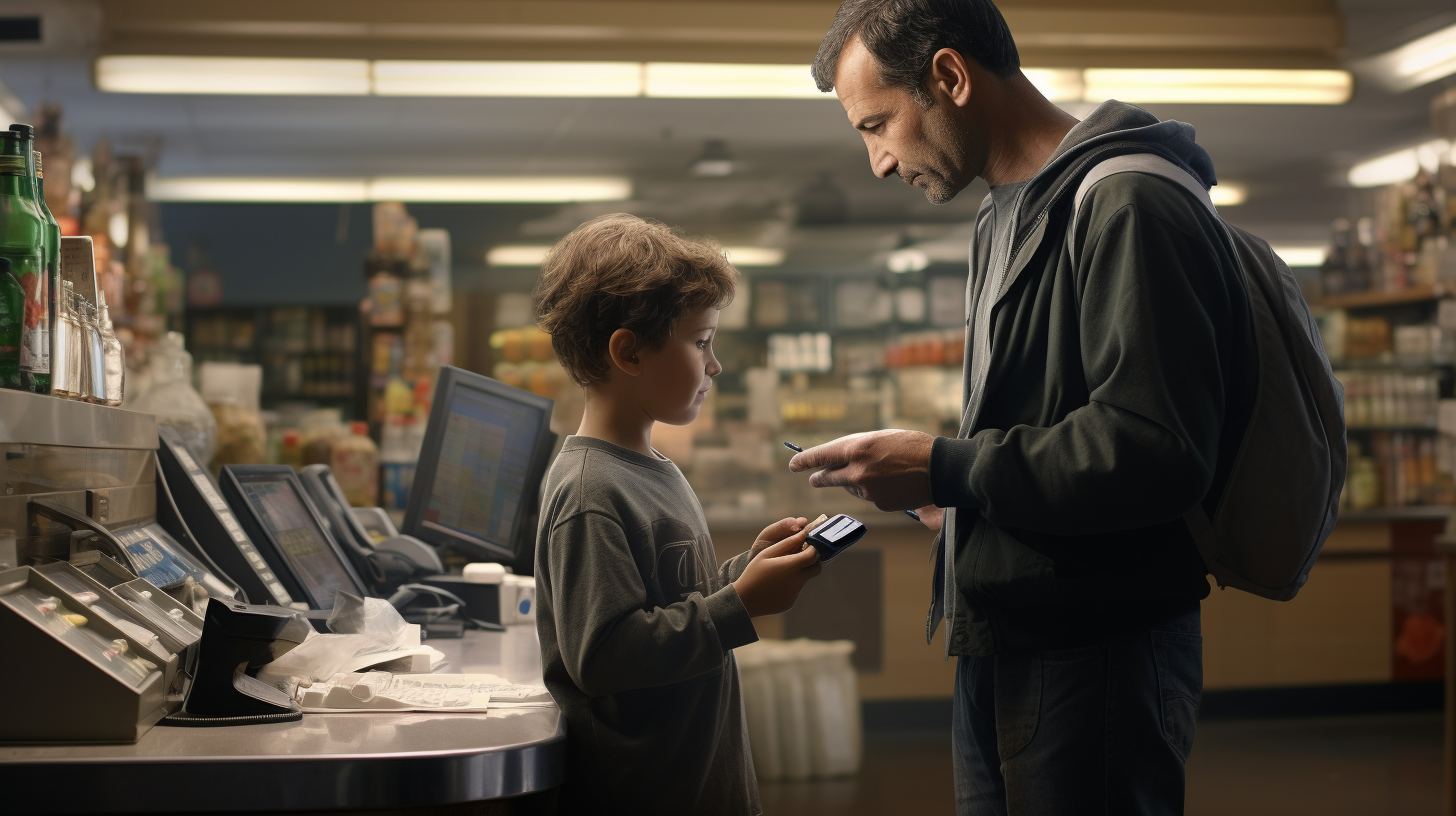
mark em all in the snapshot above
pixel 329 202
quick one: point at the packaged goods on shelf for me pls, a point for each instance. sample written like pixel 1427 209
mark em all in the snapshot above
pixel 1381 399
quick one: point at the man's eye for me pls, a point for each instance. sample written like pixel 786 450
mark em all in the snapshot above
pixel 702 344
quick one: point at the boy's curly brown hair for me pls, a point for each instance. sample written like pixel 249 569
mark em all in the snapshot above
pixel 620 271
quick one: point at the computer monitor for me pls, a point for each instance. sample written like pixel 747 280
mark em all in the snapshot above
pixel 480 468
pixel 277 515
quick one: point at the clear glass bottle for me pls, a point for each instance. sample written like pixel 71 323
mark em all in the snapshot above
pixel 66 355
pixel 115 356
pixel 175 402
pixel 93 354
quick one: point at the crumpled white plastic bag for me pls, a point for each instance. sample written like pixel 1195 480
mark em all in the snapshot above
pixel 360 626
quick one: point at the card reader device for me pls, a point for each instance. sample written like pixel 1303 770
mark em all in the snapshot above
pixel 835 535
pixel 211 524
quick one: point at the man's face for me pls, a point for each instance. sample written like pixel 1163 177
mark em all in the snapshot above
pixel 921 145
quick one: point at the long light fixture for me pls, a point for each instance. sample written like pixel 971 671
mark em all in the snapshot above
pixel 1401 165
pixel 479 189
pixel 669 80
pixel 1228 195
pixel 533 255
pixel 234 75
pixel 1422 60
pixel 1301 256
pixel 537 79
pixel 516 255
pixel 693 80
pixel 1226 86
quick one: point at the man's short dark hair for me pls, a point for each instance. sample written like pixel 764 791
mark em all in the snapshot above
pixel 903 36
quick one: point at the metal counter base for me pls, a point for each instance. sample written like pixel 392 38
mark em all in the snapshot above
pixel 365 761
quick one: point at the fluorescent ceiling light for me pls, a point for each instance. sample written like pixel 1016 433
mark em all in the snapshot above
pixel 1217 86
pixel 537 79
pixel 702 80
pixel 484 189
pixel 505 189
pixel 203 188
pixel 1056 84
pixel 1228 195
pixel 1402 165
pixel 754 256
pixel 516 255
pixel 1313 255
pixel 672 80
pixel 1422 60
pixel 233 75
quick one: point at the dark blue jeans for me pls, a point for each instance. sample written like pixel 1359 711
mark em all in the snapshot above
pixel 1101 729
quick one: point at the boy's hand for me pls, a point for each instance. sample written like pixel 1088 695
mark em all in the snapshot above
pixel 777 531
pixel 773 579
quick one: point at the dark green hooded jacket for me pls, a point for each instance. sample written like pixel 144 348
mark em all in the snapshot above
pixel 1103 400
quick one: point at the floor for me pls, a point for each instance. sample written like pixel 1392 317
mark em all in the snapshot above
pixel 1350 766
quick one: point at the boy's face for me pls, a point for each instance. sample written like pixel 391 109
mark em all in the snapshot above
pixel 675 376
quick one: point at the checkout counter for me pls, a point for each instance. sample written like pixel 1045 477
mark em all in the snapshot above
pixel 104 587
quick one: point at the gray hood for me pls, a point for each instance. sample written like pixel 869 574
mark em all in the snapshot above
pixel 1118 128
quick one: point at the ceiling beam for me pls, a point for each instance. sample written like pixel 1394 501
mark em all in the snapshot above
pixel 1109 33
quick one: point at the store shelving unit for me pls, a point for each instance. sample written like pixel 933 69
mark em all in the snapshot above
pixel 308 353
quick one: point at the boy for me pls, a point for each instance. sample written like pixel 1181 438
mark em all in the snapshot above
pixel 637 629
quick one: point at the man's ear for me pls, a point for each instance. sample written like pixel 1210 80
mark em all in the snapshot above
pixel 622 349
pixel 950 76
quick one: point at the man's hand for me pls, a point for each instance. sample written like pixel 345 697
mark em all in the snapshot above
pixel 775 577
pixel 778 531
pixel 889 468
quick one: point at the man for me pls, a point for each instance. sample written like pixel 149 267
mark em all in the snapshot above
pixel 1103 398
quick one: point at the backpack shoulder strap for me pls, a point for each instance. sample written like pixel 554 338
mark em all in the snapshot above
pixel 1148 163
pixel 1197 520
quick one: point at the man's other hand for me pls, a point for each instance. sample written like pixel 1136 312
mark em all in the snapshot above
pixel 889 468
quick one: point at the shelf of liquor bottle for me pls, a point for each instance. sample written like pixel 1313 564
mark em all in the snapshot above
pixel 1399 297
pixel 1424 512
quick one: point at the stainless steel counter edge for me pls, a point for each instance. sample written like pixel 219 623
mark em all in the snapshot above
pixel 34 419
pixel 284 783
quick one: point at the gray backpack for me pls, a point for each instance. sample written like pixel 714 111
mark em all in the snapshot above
pixel 1283 492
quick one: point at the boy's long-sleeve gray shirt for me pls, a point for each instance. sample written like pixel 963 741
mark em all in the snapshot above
pixel 637 628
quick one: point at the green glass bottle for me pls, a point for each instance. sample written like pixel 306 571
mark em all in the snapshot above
pixel 22 240
pixel 20 248
pixel 52 282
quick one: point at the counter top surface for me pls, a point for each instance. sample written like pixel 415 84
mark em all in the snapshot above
pixel 355 760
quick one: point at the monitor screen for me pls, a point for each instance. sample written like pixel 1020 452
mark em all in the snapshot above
pixel 316 563
pixel 480 465
pixel 485 455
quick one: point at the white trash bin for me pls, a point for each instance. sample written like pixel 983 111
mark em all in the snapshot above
pixel 801 700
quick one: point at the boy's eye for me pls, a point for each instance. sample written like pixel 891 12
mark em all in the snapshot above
pixel 702 344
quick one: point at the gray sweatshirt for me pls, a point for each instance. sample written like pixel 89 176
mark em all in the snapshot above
pixel 637 629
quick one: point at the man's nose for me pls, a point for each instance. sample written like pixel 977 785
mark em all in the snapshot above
pixel 882 163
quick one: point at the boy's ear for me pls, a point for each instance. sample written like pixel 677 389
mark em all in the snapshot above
pixel 622 349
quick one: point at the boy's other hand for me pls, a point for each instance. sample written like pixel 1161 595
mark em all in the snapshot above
pixel 776 532
pixel 773 579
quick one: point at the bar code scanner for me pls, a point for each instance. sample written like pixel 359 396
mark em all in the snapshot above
pixel 237 640
pixel 835 536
